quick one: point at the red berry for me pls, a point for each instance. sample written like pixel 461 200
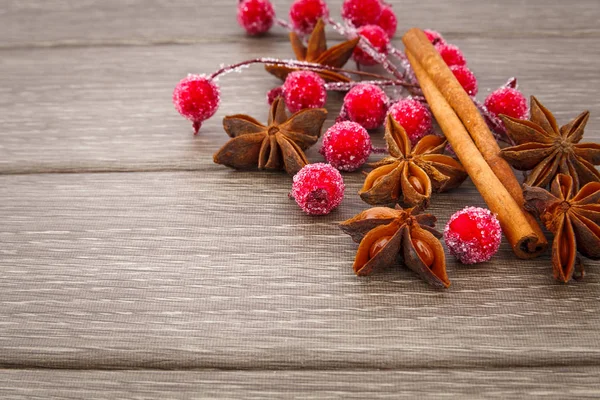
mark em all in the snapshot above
pixel 197 98
pixel 346 146
pixel 304 14
pixel 473 235
pixel 451 54
pixel 318 188
pixel 466 78
pixel 507 101
pixel 414 117
pixel 255 16
pixel 434 36
pixel 361 12
pixel 273 94
pixel 377 37
pixel 366 104
pixel 388 21
pixel 304 89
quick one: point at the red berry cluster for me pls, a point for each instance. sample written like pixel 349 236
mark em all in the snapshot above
pixel 456 60
pixel 319 188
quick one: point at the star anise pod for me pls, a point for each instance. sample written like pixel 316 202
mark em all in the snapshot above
pixel 280 145
pixel 574 219
pixel 317 52
pixel 388 236
pixel 411 174
pixel 547 150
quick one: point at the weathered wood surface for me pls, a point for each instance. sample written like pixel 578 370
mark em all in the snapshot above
pixel 177 270
pixel 546 383
pixel 183 264
pixel 109 109
pixel 134 22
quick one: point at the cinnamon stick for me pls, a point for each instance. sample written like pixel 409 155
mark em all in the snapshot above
pixel 519 227
pixel 428 57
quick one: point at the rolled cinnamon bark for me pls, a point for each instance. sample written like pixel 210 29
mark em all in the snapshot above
pixel 423 51
pixel 516 224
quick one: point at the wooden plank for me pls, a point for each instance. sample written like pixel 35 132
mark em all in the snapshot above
pixel 97 22
pixel 103 109
pixel 547 383
pixel 219 269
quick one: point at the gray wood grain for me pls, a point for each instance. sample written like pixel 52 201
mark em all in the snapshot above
pixel 219 269
pixel 546 383
pixel 103 109
pixel 114 22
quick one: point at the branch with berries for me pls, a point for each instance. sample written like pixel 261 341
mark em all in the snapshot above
pixel 371 99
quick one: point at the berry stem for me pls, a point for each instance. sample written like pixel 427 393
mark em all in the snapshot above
pixel 379 150
pixel 351 33
pixel 301 65
pixel 345 86
pixel 284 24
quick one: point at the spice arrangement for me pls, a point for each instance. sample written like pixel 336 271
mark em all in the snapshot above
pixel 427 81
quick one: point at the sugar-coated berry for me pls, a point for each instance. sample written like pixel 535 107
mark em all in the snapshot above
pixel 367 105
pixel 473 235
pixel 304 89
pixel 255 16
pixel 197 98
pixel 378 39
pixel 507 101
pixel 434 36
pixel 361 12
pixel 346 146
pixel 304 14
pixel 273 94
pixel 466 78
pixel 318 188
pixel 451 54
pixel 414 117
pixel 388 21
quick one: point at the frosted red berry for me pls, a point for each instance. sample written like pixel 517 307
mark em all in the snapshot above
pixel 507 101
pixel 379 40
pixel 473 235
pixel 361 12
pixel 451 54
pixel 367 105
pixel 346 146
pixel 304 14
pixel 414 117
pixel 273 94
pixel 434 36
pixel 255 16
pixel 466 78
pixel 304 89
pixel 388 21
pixel 197 98
pixel 318 188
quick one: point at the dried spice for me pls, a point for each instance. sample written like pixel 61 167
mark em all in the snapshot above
pixel 547 150
pixel 280 145
pixel 317 52
pixel 574 219
pixel 411 174
pixel 388 236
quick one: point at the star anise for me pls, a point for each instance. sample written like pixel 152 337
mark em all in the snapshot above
pixel 411 174
pixel 317 52
pixel 280 145
pixel 574 219
pixel 388 236
pixel 546 149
